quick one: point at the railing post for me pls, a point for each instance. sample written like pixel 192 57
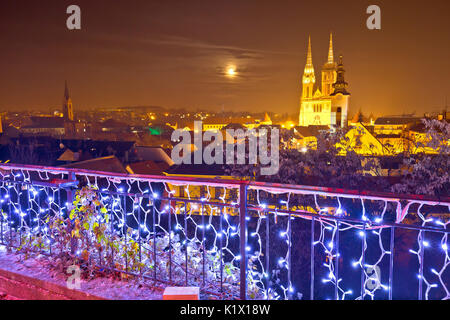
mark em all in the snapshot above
pixel 336 270
pixel 1 223
pixel 110 212
pixel 69 200
pixel 421 257
pixel 267 253
pixel 169 224
pixel 187 244
pixel 363 263
pixel 10 222
pixel 139 201
pixel 312 260
pixel 221 251
pixel 203 248
pixel 154 236
pixel 69 191
pixel 243 240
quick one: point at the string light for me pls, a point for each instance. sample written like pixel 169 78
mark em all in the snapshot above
pixel 325 241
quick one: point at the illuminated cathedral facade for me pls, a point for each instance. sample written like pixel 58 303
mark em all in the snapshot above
pixel 327 104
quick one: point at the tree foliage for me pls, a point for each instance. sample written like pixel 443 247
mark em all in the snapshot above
pixel 421 173
pixel 428 173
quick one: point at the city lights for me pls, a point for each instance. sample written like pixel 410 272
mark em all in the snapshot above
pixel 226 149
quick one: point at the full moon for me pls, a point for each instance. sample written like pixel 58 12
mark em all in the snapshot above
pixel 231 71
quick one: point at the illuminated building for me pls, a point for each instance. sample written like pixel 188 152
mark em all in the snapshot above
pixel 393 132
pixel 394 143
pixel 419 140
pixel 360 140
pixel 394 124
pixel 47 126
pixel 305 138
pixel 389 136
pixel 329 106
pixel 218 124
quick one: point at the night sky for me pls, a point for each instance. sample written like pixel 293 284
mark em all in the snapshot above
pixel 174 53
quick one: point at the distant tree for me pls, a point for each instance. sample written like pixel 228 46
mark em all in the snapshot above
pixel 358 117
pixel 426 173
pixel 422 173
pixel 323 166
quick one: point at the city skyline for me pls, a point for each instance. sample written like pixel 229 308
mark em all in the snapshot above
pixel 224 150
pixel 245 58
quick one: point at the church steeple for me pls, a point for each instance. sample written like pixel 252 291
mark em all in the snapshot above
pixel 67 104
pixel 328 106
pixel 340 96
pixel 329 71
pixel 309 63
pixel 340 86
pixel 330 51
pixel 309 78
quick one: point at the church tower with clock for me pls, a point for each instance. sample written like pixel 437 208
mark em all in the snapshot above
pixel 329 104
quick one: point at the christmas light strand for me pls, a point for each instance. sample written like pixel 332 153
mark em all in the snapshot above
pixel 194 226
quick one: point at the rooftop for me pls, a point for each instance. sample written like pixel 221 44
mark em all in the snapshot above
pixel 396 120
pixel 108 164
pixel 310 131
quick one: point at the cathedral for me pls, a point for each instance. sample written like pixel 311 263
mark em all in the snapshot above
pixel 327 105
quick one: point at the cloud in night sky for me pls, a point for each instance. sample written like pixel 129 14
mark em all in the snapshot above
pixel 175 54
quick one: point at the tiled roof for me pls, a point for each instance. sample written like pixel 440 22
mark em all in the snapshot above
pixel 396 120
pixel 107 164
pixel 311 131
pixel 147 167
pixel 197 169
pixel 46 122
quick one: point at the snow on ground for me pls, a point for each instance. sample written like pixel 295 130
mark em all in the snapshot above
pixel 130 289
pixel 5 296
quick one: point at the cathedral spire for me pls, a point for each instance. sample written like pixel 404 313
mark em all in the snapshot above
pixel 329 71
pixel 309 63
pixel 309 68
pixel 330 50
pixel 309 79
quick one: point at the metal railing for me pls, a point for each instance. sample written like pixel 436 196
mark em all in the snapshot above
pixel 235 238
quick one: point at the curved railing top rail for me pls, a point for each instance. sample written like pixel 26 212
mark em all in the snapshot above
pixel 235 183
